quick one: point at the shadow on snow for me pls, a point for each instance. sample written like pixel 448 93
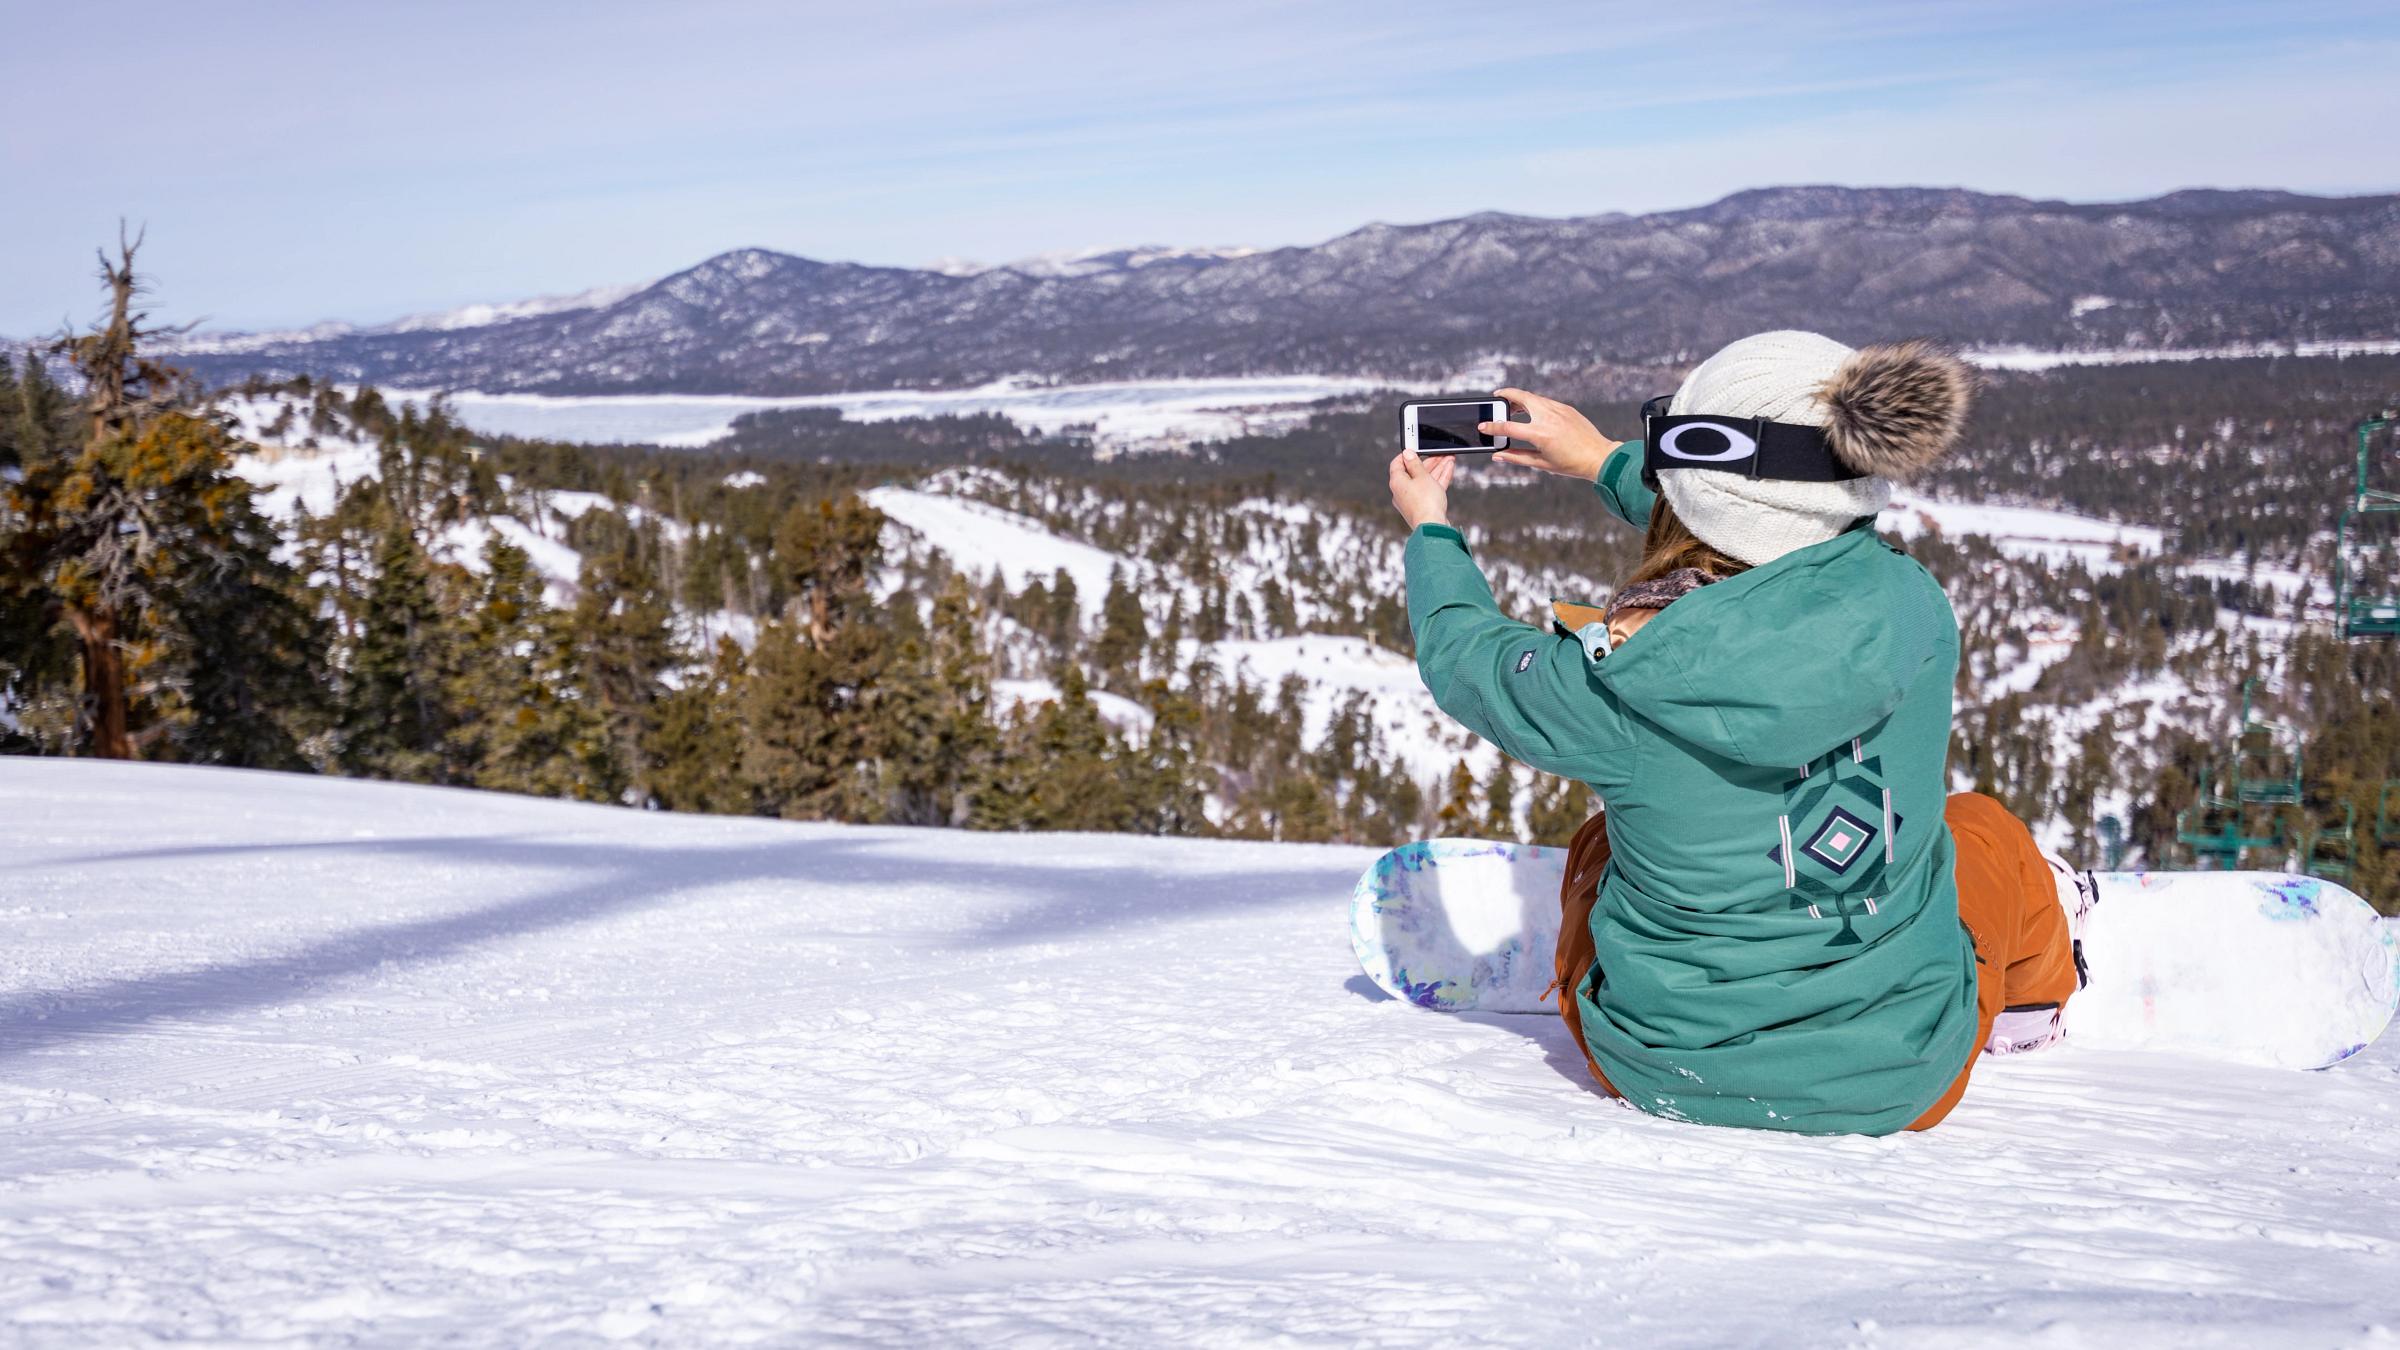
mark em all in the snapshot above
pixel 1052 901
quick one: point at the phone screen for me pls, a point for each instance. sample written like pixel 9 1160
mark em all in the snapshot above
pixel 1452 426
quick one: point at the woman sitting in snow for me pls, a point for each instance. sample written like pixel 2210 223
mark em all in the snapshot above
pixel 1780 919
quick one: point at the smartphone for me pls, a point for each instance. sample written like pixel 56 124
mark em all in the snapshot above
pixel 1433 426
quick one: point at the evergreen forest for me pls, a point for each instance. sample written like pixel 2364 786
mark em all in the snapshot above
pixel 739 628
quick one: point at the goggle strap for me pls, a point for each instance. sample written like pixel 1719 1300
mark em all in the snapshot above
pixel 1786 451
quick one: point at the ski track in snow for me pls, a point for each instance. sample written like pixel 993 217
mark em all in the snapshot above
pixel 300 1059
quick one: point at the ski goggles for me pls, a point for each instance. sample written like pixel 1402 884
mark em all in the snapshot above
pixel 1751 446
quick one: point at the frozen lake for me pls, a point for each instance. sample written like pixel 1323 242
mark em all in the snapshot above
pixel 1127 413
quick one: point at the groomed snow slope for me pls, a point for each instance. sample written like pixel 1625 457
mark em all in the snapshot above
pixel 286 1058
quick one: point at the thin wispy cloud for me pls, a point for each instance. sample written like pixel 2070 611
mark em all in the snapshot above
pixel 297 162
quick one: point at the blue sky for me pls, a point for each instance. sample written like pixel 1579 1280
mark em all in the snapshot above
pixel 303 161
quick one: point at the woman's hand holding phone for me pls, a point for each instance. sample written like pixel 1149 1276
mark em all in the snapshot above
pixel 1557 440
pixel 1421 487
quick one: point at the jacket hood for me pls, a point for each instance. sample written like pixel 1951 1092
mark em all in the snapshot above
pixel 1786 661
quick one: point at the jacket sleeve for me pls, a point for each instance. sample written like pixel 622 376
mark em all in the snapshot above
pixel 1524 689
pixel 1621 488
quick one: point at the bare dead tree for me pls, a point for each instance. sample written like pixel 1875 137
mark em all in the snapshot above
pixel 100 584
pixel 123 388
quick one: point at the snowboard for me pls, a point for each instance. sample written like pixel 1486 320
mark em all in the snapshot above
pixel 2254 967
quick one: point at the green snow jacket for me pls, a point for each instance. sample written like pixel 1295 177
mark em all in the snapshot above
pixel 1777 930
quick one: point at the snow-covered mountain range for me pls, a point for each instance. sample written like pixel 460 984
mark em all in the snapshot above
pixel 481 315
pixel 2194 269
pixel 1085 262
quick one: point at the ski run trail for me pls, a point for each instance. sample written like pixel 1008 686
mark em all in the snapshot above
pixel 305 1061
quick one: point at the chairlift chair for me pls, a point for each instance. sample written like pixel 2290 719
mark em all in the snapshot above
pixel 2327 850
pixel 2216 846
pixel 2212 829
pixel 2269 775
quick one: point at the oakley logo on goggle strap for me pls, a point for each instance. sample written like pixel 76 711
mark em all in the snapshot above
pixel 1707 443
pixel 1754 446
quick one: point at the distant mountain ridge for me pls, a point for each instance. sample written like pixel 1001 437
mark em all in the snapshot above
pixel 2196 268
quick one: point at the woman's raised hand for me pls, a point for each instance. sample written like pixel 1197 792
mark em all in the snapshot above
pixel 1558 440
pixel 1421 488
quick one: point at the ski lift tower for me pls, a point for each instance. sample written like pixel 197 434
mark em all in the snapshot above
pixel 2266 759
pixel 2363 609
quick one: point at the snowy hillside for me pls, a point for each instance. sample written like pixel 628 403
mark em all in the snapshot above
pixel 302 467
pixel 981 540
pixel 304 1059
pixel 1319 560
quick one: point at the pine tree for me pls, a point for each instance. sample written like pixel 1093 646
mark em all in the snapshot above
pixel 1391 805
pixel 802 745
pixel 128 524
pixel 904 712
pixel 962 670
pixel 1165 791
pixel 38 658
pixel 623 645
pixel 237 661
pixel 1560 807
pixel 1458 814
pixel 825 553
pixel 1124 632
pixel 1299 809
pixel 696 741
pixel 522 723
pixel 395 714
pixel 1282 620
pixel 9 411
pixel 810 751
pixel 1500 801
pixel 1064 625
pixel 1075 783
pixel 1209 625
pixel 1170 638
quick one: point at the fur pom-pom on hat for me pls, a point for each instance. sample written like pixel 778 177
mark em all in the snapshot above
pixel 1892 409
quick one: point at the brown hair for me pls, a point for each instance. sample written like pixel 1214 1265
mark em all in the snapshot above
pixel 1670 545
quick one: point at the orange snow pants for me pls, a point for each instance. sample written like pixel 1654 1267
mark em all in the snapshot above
pixel 2006 898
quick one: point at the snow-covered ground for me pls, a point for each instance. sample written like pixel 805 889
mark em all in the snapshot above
pixel 2025 531
pixel 305 1060
pixel 981 539
pixel 1130 413
pixel 291 474
pixel 1115 709
pixel 2029 358
pixel 1335 669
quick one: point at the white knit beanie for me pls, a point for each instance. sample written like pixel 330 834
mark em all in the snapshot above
pixel 1889 410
